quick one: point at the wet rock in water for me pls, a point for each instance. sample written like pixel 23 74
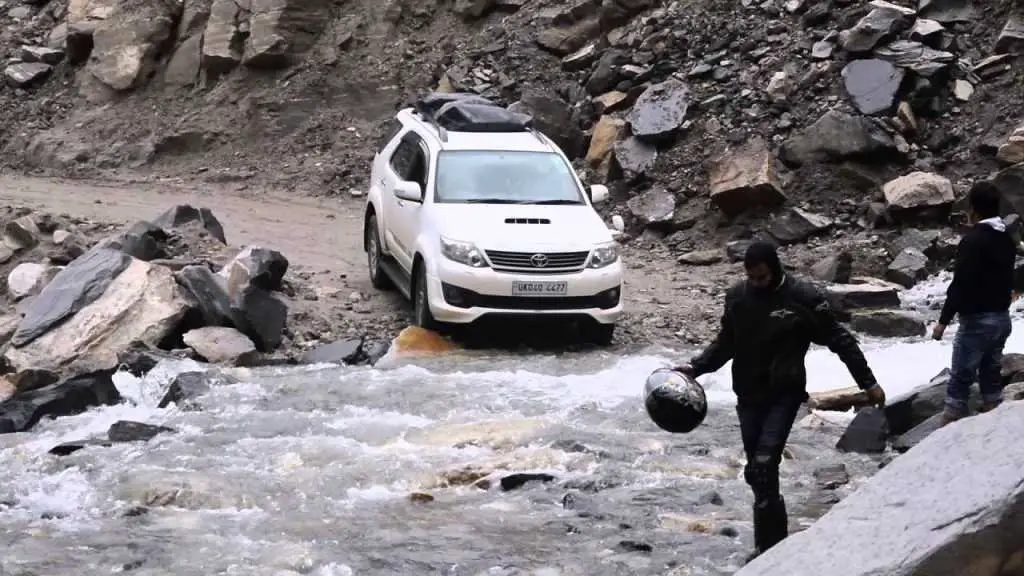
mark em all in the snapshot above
pixel 947 11
pixel 635 546
pixel 348 351
pixel 25 409
pixel 884 21
pixel 866 434
pixel 653 207
pixel 746 179
pixel 416 340
pixel 872 84
pixel 254 266
pixel 139 358
pixel 516 481
pixel 27 74
pixel 794 225
pixel 910 521
pixel 865 294
pixel 188 387
pixel 834 269
pixel 222 345
pixel 909 268
pixel 660 111
pixel 916 57
pixel 32 379
pixel 917 194
pixel 634 157
pixel 831 477
pixel 128 431
pixel 888 324
pixel 74 288
pixel 835 136
pixel 142 303
pixel 915 435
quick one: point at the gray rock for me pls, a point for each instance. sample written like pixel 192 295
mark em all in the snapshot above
pixel 913 407
pixel 872 84
pixel 915 435
pixel 634 157
pixel 888 324
pixel 27 74
pixel 72 289
pixel 884 21
pixel 924 241
pixel 660 111
pixel 470 9
pixel 279 30
pixel 822 50
pixel 553 117
pixel 864 295
pixel 701 257
pixel 347 351
pixel 928 32
pixel 24 410
pixel 263 315
pixel 21 234
pixel 908 520
pixel 128 43
pixel 654 206
pixel 184 215
pixel 1011 38
pixel 255 266
pixel 42 54
pixel 209 295
pixel 909 268
pixel 834 269
pixel 187 387
pixel 222 345
pixel 128 431
pixel 831 477
pixel 866 434
pixel 835 136
pixel 947 11
pixel 794 225
pixel 916 57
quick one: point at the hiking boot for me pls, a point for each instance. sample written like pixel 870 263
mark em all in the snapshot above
pixel 948 417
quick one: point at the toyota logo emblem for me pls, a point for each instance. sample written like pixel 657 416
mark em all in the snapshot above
pixel 539 260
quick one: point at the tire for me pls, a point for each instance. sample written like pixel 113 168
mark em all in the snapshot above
pixel 374 256
pixel 598 334
pixel 422 316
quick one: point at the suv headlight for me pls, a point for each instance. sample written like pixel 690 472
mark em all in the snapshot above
pixel 463 253
pixel 603 255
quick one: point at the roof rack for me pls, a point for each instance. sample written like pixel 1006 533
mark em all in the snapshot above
pixel 464 112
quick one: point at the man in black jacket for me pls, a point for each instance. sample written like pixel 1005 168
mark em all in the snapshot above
pixel 770 321
pixel 980 293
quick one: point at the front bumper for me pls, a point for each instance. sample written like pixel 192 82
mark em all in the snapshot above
pixel 460 294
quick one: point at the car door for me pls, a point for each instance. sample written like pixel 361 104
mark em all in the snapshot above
pixel 408 163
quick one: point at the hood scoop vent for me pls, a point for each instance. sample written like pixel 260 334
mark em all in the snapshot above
pixel 527 221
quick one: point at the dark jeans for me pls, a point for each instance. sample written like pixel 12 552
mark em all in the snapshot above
pixel 765 426
pixel 978 355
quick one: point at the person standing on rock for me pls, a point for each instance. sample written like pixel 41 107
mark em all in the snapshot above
pixel 981 293
pixel 769 323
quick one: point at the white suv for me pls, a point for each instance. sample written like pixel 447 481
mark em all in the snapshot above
pixel 472 212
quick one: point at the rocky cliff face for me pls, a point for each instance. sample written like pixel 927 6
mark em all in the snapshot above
pixel 712 121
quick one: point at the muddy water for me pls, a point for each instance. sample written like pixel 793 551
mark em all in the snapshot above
pixel 312 471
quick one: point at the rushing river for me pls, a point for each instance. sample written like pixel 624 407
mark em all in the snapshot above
pixel 397 469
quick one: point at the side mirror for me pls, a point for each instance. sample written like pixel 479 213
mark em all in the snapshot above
pixel 598 193
pixel 410 191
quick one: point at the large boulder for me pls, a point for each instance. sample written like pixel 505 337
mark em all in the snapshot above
pixel 836 136
pixel 746 179
pixel 946 507
pixel 127 44
pixel 279 29
pixel 71 290
pixel 84 16
pixel 25 409
pixel 143 303
pixel 552 116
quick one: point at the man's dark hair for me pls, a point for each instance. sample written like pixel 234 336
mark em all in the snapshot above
pixel 984 199
pixel 763 253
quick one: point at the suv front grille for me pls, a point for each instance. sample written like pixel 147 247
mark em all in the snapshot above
pixel 537 262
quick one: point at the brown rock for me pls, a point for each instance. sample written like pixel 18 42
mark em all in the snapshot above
pixel 606 133
pixel 1012 152
pixel 918 190
pixel 838 400
pixel 746 179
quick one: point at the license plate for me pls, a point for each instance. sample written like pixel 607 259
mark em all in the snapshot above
pixel 540 288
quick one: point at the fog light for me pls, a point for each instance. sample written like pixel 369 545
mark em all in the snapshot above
pixel 456 296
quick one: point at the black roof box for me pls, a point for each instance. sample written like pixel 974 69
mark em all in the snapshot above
pixel 463 112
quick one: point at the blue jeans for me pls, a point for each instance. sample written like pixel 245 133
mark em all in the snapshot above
pixel 978 355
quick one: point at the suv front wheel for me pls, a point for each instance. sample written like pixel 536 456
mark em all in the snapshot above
pixel 422 316
pixel 598 334
pixel 374 255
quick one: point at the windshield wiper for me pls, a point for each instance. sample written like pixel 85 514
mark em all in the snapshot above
pixel 492 201
pixel 557 202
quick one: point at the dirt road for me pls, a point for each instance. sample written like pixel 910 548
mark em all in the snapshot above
pixel 322 236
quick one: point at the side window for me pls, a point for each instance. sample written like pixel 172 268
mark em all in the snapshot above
pixel 410 160
pixel 390 129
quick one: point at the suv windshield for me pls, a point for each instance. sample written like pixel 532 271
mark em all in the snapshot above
pixel 504 177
